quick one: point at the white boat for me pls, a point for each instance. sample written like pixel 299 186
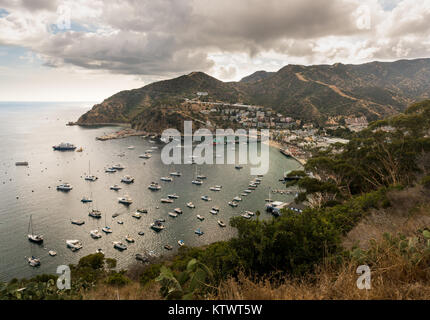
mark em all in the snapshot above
pixel 173 214
pixel 129 239
pixel 173 196
pixel 149 151
pixel 95 234
pixel 214 189
pixel 219 187
pixel 178 210
pixel 36 238
pixel 166 200
pixel 115 187
pixel 119 245
pixel 201 218
pixel 130 148
pixel 190 205
pixel 206 198
pixel 247 191
pixel 157 226
pixel 64 187
pixel 215 208
pixel 127 179
pixel 64 146
pixel 100 251
pixel 243 194
pixel 74 244
pixel 110 170
pixel 237 199
pixel 221 224
pixel 107 229
pixel 201 177
pixel 175 174
pixel 52 253
pixel 197 182
pixel 95 214
pixel 232 204
pixel 246 216
pixel 154 186
pixel 213 212
pixel 137 215
pixel 33 261
pixel 125 200
pixel 90 177
pixel 145 156
pixel 118 167
pixel 120 222
pixel 250 213
pixel 166 179
pixel 181 243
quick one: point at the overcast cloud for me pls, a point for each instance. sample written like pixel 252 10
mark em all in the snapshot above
pixel 228 39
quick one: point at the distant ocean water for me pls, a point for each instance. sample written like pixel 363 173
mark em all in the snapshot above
pixel 28 130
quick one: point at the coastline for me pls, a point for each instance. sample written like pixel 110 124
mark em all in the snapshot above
pixel 279 146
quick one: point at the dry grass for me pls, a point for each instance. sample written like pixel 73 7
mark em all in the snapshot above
pixel 133 291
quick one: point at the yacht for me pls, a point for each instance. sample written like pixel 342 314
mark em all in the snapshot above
pixel 201 177
pixel 100 251
pixel 199 232
pixel 119 245
pixel 86 199
pixel 215 208
pixel 74 244
pixel 178 210
pixel 206 198
pixel 149 151
pixel 175 174
pixel 141 233
pixel 95 214
pixel 95 234
pixel 250 213
pixel 252 188
pixel 154 186
pixel 246 216
pixel 33 261
pixel 78 222
pixel 173 214
pixel 129 239
pixel 201 218
pixel 237 199
pixel 166 179
pixel 120 222
pixel 191 205
pixel 145 156
pixel 243 194
pixel 52 253
pixel 238 167
pixel 115 187
pixel 107 229
pixel 213 212
pixel 173 196
pixel 130 148
pixel 90 177
pixel 110 170
pixel 137 215
pixel 166 201
pixel 125 200
pixel 36 238
pixel 232 204
pixel 197 182
pixel 247 191
pixel 64 146
pixel 117 167
pixel 214 189
pixel 127 179
pixel 64 187
pixel 181 243
pixel 218 187
pixel 221 224
pixel 168 247
pixel 157 225
pixel 141 210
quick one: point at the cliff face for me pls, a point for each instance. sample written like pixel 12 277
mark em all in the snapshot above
pixel 374 90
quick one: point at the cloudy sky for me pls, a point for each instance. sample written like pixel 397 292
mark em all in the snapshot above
pixel 54 50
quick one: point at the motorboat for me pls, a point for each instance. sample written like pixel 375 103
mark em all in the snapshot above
pixel 232 204
pixel 130 148
pixel 168 247
pixel 100 251
pixel 74 245
pixel 33 261
pixel 118 167
pixel 215 208
pixel 221 224
pixel 166 200
pixel 32 237
pixel 154 186
pixel 197 182
pixel 64 146
pixel 64 187
pixel 137 215
pixel 173 214
pixel 181 243
pixel 213 212
pixel 52 253
pixel 141 210
pixel 237 199
pixel 191 205
pixel 107 229
pixel 110 170
pixel 201 177
pixel 95 214
pixel 129 239
pixel 175 174
pixel 247 191
pixel 127 179
pixel 214 189
pixel 78 222
pixel 141 257
pixel 157 225
pixel 149 151
pixel 125 200
pixel 115 187
pixel 246 216
pixel 178 210
pixel 250 213
pixel 199 232
pixel 95 234
pixel 86 199
pixel 166 179
pixel 238 167
pixel 206 198
pixel 201 218
pixel 145 156
pixel 119 245
pixel 243 194
pixel 141 233
pixel 120 222
pixel 173 196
